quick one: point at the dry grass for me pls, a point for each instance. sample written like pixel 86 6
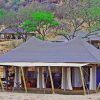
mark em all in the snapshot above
pixel 6 46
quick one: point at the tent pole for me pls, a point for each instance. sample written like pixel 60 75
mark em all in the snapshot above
pixel 1 84
pixel 62 79
pixel 14 78
pixel 23 77
pixel 52 85
pixel 82 78
pixel 38 86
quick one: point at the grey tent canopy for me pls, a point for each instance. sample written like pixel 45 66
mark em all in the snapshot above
pixel 35 50
pixel 12 30
pixel 59 39
pixel 94 36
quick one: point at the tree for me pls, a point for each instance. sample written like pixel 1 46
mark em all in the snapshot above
pixel 84 15
pixel 69 16
pixel 24 13
pixel 2 2
pixel 2 15
pixel 91 15
pixel 14 19
pixel 9 20
pixel 40 22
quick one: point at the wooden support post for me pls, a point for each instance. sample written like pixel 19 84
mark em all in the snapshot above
pixel 82 78
pixel 1 84
pixel 14 79
pixel 52 85
pixel 62 79
pixel 38 81
pixel 23 77
pixel 98 88
pixel 13 68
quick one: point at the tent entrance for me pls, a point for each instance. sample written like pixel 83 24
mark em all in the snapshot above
pixel 76 78
pixel 7 75
pixel 56 75
pixel 31 77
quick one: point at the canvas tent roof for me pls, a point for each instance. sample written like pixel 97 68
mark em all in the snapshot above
pixel 12 30
pixel 37 51
pixel 94 36
pixel 28 64
pixel 80 34
pixel 59 39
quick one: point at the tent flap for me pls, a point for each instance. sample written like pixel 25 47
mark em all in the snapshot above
pixel 24 64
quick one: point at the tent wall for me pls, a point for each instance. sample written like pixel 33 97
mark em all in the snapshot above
pixel 76 78
pixel 92 78
pixel 17 80
pixel 98 76
pixel 70 78
pixel 40 78
pixel 69 83
pixel 66 79
pixel 63 83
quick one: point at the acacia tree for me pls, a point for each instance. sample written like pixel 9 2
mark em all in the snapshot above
pixel 39 23
pixel 91 15
pixel 7 18
pixel 85 14
pixel 2 15
pixel 69 16
pixel 12 19
pixel 25 13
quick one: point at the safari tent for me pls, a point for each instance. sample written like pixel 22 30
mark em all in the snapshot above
pixel 10 33
pixel 70 58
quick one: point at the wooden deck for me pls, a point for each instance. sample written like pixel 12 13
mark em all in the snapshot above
pixel 48 91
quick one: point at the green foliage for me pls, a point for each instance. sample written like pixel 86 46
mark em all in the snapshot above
pixel 7 18
pixel 26 12
pixel 43 16
pixel 54 23
pixel 94 2
pixel 40 20
pixel 94 12
pixel 16 1
pixel 91 14
pixel 2 13
pixel 29 26
pixel 95 26
pixel 94 8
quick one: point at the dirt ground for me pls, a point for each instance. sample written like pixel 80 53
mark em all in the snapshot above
pixel 31 96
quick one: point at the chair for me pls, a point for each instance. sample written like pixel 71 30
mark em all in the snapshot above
pixel 4 81
pixel 18 86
